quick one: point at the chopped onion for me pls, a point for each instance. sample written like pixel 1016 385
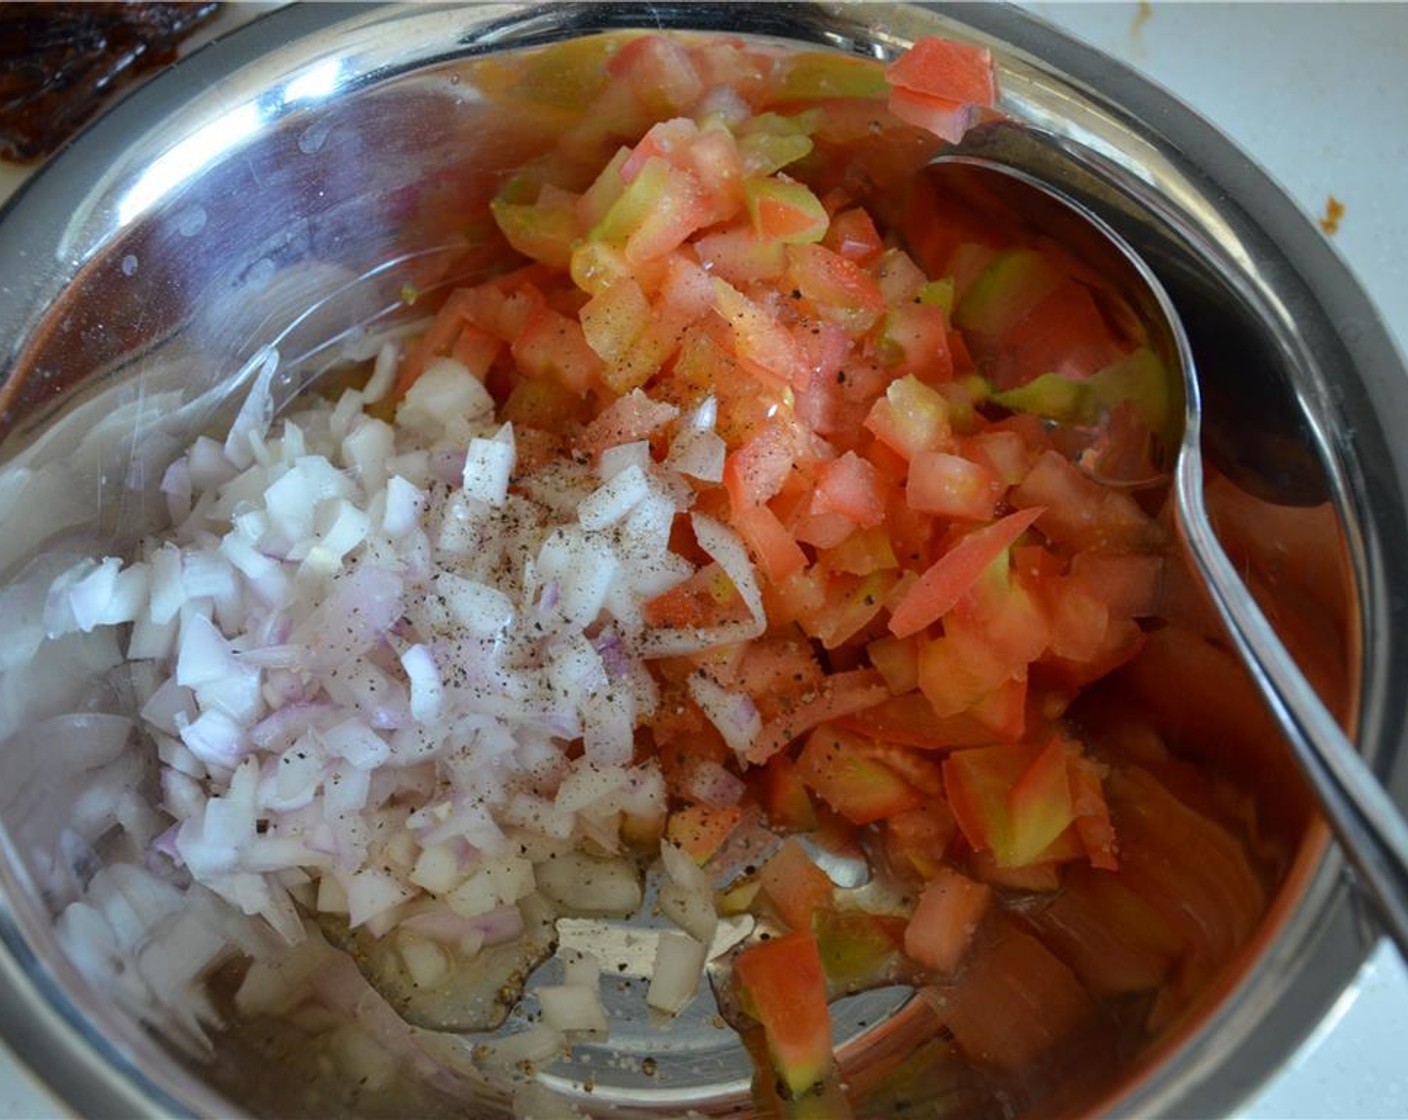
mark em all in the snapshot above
pixel 733 713
pixel 679 963
pixel 488 466
pixel 574 1009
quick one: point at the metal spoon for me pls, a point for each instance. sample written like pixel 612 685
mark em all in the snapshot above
pixel 1030 173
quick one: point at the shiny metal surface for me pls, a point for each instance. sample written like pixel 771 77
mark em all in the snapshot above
pixel 289 163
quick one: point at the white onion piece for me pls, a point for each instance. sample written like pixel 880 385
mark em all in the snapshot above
pixel 404 503
pixel 590 885
pixel 614 499
pixel 427 689
pixel 699 454
pixel 445 389
pixel 616 459
pixel 539 1045
pixel 679 963
pixel 373 891
pixel 383 373
pixel 574 1009
pixel 709 783
pixel 722 544
pixel 733 713
pixel 488 466
pixel 688 898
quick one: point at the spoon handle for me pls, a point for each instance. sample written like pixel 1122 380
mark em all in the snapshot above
pixel 1369 825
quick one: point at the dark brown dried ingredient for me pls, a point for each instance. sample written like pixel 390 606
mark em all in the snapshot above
pixel 60 62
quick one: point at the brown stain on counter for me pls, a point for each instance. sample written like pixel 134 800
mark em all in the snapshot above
pixel 1334 212
pixel 1142 16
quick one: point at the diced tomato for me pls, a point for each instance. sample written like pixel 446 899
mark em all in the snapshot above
pixel 707 598
pixel 553 345
pixel 853 235
pixel 910 720
pixel 910 418
pixel 1078 511
pixel 1001 713
pixel 700 830
pixel 947 69
pixel 835 765
pixel 944 922
pixel 863 552
pixel 615 319
pixel 796 887
pixel 661 72
pixel 898 662
pixel 838 696
pixel 945 582
pixel 757 337
pixel 769 541
pixel 1128 584
pixel 755 472
pixel 542 230
pixel 837 288
pixel 1093 824
pixel 946 119
pixel 917 839
pixel 1033 878
pixel 852 487
pixel 853 603
pixel 824 529
pixel 783 985
pixel 741 257
pixel 476 350
pixel 952 486
pixel 785 797
pixel 913 338
pixel 655 213
pixel 1115 942
pixel 858 949
pixel 1039 806
pixel 784 212
pixel 977 782
pixel 1014 970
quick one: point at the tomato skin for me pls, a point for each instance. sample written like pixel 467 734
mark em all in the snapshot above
pixel 1014 969
pixel 783 985
pixel 836 767
pixel 944 583
pixel 945 69
pixel 797 888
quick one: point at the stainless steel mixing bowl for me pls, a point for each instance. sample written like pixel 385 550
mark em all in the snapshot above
pixel 298 164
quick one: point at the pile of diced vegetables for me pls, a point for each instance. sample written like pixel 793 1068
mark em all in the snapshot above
pixel 747 494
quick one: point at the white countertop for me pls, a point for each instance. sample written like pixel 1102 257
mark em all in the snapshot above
pixel 1318 94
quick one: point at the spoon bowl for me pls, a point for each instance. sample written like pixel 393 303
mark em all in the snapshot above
pixel 1019 170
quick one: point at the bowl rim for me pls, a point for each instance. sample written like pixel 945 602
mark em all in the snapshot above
pixel 1330 307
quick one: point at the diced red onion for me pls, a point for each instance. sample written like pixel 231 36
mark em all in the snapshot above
pixel 708 782
pixel 733 713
